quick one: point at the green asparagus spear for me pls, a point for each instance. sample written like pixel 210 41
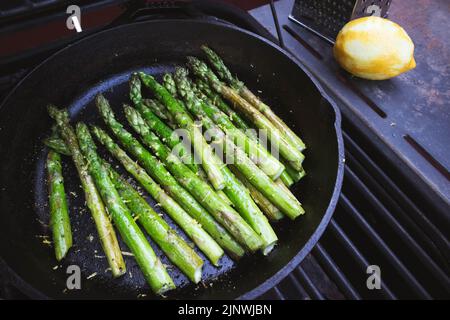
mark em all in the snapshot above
pixel 217 100
pixel 292 154
pixel 159 127
pixel 223 213
pixel 57 144
pixel 210 162
pixel 256 152
pixel 294 174
pixel 286 178
pixel 169 84
pixel 156 108
pixel 192 228
pixel 59 214
pixel 176 249
pixel 289 206
pixel 240 87
pixel 154 271
pixel 244 204
pixel 94 202
pixel 204 177
pixel 164 178
pixel 269 209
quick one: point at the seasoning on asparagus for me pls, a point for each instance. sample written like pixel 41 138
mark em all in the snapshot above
pixel 210 162
pixel 192 228
pixel 223 213
pixel 256 152
pixel 157 170
pixel 290 153
pixel 59 214
pixel 94 202
pixel 176 249
pixel 248 95
pixel 154 271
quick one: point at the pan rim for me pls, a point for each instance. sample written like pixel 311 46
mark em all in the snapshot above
pixel 272 281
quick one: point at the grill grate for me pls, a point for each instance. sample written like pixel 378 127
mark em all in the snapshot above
pixel 370 227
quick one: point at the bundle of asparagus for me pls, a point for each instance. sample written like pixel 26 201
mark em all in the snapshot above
pixel 221 206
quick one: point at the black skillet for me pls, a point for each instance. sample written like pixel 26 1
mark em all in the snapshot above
pixel 102 63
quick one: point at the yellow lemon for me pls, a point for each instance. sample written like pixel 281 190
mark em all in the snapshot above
pixel 374 48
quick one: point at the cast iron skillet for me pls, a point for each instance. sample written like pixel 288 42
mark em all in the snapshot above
pixel 102 63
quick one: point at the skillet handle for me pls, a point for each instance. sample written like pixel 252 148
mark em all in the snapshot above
pixel 144 10
pixel 220 11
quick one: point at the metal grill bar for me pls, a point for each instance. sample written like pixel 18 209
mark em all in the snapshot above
pixel 356 254
pixel 387 252
pixel 278 294
pixel 309 284
pixel 302 292
pixel 335 272
pixel 399 229
pixel 427 229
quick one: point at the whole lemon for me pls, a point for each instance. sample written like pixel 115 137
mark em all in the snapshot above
pixel 374 48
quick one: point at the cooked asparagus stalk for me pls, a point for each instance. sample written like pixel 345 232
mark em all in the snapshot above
pixel 176 249
pixel 189 225
pixel 269 209
pixel 248 95
pixel 157 170
pixel 169 84
pixel 288 205
pixel 201 190
pixel 59 214
pixel 256 152
pixel 286 178
pixel 290 153
pixel 159 127
pixel 154 271
pixel 94 202
pixel 245 205
pixel 217 100
pixel 57 144
pixel 159 109
pixel 294 174
pixel 210 162
pixel 204 177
